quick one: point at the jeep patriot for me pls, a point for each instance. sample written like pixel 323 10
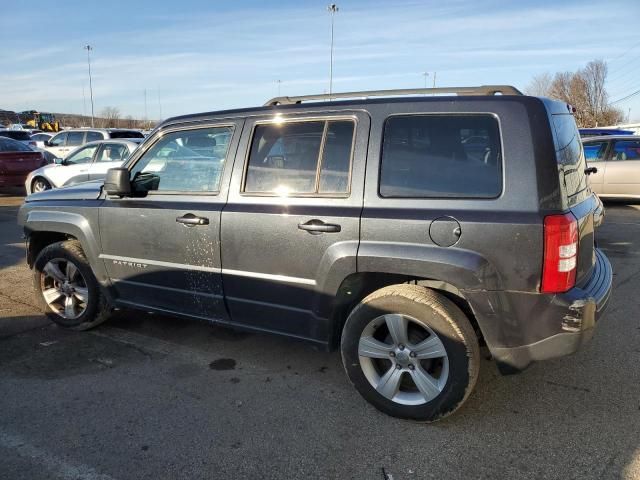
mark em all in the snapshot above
pixel 404 229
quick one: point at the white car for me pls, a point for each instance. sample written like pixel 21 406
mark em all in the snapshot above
pixel 63 143
pixel 89 162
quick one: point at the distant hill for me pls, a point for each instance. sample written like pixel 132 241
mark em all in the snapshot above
pixel 70 120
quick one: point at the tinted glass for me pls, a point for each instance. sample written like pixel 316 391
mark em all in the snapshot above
pixel 93 136
pixel 125 134
pixel 10 145
pixel 113 152
pixel 58 140
pixel 16 135
pixel 336 157
pixel 185 161
pixel 82 156
pixel 569 153
pixel 441 156
pixel 284 158
pixel 40 137
pixel 595 151
pixel 75 138
pixel 626 150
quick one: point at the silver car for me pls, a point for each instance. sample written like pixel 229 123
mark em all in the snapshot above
pixel 617 159
pixel 89 162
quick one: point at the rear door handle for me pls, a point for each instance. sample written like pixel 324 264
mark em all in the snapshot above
pixel 316 227
pixel 590 170
pixel 191 220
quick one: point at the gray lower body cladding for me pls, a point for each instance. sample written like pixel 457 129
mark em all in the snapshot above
pixel 520 328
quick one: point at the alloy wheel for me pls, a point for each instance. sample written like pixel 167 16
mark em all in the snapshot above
pixel 64 288
pixel 403 359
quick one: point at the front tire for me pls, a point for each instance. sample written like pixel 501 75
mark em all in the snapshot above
pixel 40 184
pixel 67 289
pixel 411 352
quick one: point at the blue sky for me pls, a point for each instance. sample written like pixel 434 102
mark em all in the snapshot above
pixel 197 55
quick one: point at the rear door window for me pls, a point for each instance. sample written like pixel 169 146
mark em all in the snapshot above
pixel 75 139
pixel 569 153
pixel 301 158
pixel 626 150
pixel 432 156
pixel 93 136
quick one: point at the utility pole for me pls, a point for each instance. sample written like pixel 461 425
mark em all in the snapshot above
pixel 84 105
pixel 425 75
pixel 88 48
pixel 279 82
pixel 146 123
pixel 434 79
pixel 332 8
pixel 159 105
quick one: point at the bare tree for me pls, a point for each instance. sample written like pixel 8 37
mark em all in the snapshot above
pixel 539 86
pixel 110 117
pixel 585 90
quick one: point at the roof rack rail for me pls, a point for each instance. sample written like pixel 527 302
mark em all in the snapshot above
pixel 481 90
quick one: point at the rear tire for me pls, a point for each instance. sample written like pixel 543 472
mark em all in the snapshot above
pixel 411 352
pixel 67 289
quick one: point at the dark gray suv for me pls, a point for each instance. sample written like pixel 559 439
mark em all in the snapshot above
pixel 404 229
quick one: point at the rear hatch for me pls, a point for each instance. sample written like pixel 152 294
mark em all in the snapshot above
pixel 19 163
pixel 577 196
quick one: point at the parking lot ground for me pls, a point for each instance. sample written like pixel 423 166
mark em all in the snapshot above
pixel 153 397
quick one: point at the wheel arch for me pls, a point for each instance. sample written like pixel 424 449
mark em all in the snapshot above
pixel 357 286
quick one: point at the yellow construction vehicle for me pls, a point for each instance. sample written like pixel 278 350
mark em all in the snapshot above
pixel 44 121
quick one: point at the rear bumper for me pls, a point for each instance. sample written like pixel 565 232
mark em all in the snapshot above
pixel 556 325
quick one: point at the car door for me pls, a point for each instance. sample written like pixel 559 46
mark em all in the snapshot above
pixel 291 226
pixel 110 155
pixel 622 176
pixel 161 247
pixel 74 168
pixel 595 153
pixel 57 144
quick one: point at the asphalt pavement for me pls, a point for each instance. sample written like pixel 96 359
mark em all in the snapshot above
pixel 153 397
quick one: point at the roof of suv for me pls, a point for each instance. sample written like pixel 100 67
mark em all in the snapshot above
pixel 426 95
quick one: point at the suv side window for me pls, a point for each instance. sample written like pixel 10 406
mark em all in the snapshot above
pixel 435 156
pixel 58 140
pixel 75 138
pixel 184 161
pixel 305 157
pixel 626 150
pixel 595 151
pixel 93 136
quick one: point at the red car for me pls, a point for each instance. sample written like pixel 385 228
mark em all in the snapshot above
pixel 16 162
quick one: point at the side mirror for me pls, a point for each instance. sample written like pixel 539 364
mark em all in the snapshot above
pixel 58 161
pixel 117 183
pixel 47 143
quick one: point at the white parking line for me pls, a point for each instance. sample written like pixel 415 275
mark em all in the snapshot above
pixel 57 467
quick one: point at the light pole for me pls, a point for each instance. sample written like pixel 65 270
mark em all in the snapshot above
pixel 425 75
pixel 88 48
pixel 279 82
pixel 332 8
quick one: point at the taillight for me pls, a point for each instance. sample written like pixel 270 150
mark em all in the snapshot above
pixel 560 253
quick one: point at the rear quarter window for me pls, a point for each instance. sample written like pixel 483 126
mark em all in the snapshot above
pixel 434 156
pixel 125 134
pixel 569 153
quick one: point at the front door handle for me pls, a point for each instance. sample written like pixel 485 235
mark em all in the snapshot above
pixel 191 220
pixel 590 170
pixel 316 227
